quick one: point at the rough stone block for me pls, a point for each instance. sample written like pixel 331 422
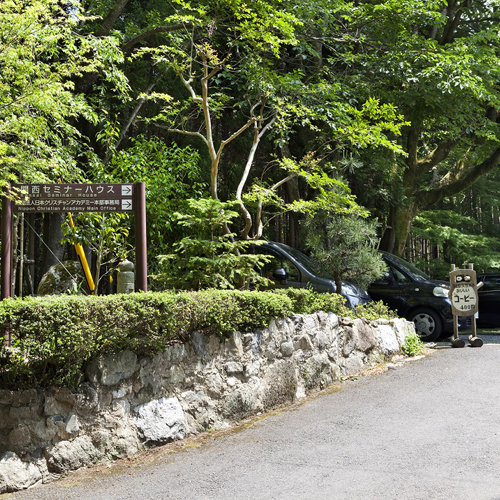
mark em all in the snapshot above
pixel 366 336
pixel 350 340
pixel 402 328
pixel 87 400
pixel 235 344
pixel 252 368
pixel 279 385
pixel 45 430
pixel 233 368
pixel 17 475
pixel 160 421
pixel 6 397
pixel 60 402
pixel 199 341
pixel 286 348
pixel 354 364
pixel 66 456
pixel 387 339
pixel 240 402
pixel 19 437
pixel 317 371
pixel 109 370
pixel 304 343
pixel 214 383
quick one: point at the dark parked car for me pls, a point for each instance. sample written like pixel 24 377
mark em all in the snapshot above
pixel 489 300
pixel 415 296
pixel 289 267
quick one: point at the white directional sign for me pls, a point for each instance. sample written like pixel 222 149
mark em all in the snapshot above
pixel 126 204
pixel 126 189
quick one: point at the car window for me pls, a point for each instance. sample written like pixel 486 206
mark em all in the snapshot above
pixel 409 268
pixel 399 276
pixel 292 273
pixel 277 262
pixel 306 262
pixel 491 283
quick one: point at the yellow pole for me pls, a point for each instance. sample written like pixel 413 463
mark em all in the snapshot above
pixel 83 261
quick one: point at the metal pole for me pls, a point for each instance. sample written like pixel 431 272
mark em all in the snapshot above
pixel 31 253
pixel 141 250
pixel 6 254
pixel 21 252
pixel 6 246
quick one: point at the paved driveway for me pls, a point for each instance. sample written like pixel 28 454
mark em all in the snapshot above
pixel 429 430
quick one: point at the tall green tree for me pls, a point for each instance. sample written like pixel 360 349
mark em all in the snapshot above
pixel 235 64
pixel 438 62
pixel 41 54
pixel 461 229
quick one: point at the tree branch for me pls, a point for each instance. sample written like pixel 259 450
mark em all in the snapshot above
pixel 187 132
pixel 111 18
pixel 131 119
pixel 239 191
pixel 155 31
pixel 464 178
pixel 439 154
pixel 89 79
pixel 455 12
pixel 187 84
pixel 258 216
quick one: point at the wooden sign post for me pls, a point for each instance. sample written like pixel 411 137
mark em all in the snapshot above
pixel 47 198
pixel 464 302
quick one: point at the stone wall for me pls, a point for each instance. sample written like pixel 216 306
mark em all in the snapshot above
pixel 127 403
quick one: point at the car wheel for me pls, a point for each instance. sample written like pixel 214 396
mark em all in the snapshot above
pixel 427 324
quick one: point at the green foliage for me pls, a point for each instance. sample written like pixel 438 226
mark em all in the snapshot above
pixel 54 337
pixel 374 310
pixel 40 53
pixel 252 77
pixel 305 301
pixel 440 69
pixel 459 239
pixel 172 175
pixel 210 258
pixel 345 247
pixel 413 345
pixel 105 233
pixel 331 194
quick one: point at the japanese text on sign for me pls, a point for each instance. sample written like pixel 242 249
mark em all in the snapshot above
pixel 73 197
pixel 464 298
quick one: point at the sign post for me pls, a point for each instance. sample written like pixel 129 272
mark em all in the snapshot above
pixel 141 265
pixel 6 246
pixel 56 198
pixel 464 302
pixel 6 254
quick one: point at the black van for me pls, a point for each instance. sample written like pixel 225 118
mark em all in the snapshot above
pixel 415 296
pixel 290 268
pixel 489 300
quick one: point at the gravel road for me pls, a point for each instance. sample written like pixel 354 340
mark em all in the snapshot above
pixel 428 429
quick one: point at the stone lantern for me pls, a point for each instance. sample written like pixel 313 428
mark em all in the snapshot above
pixel 125 282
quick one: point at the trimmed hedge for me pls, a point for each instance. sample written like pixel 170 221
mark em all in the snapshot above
pixel 53 338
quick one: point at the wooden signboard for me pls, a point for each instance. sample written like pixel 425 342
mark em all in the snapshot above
pixel 47 198
pixel 464 302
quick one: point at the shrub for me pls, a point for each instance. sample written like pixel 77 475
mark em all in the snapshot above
pixel 374 310
pixel 54 337
pixel 413 345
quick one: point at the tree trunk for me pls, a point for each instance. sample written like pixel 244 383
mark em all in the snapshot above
pixel 292 194
pixel 400 221
pixel 53 234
